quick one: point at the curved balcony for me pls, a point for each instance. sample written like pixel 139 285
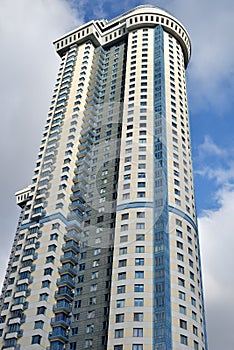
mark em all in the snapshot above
pixel 78 195
pixel 66 280
pixel 69 269
pixel 79 186
pixel 60 320
pixel 59 333
pixel 77 205
pixel 64 293
pixel 61 306
pixel 71 245
pixel 80 178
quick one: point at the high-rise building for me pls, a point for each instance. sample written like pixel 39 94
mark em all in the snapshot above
pixel 106 253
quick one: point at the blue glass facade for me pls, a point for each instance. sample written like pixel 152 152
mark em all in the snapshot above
pixel 162 303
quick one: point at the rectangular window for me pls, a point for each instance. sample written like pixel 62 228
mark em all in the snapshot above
pixel 138 288
pixel 139 302
pixel 139 261
pixel 119 318
pixel 121 289
pixel 137 332
pixel 140 249
pixel 183 339
pixel 140 226
pixel 120 303
pixel 122 263
pixel 139 274
pixel 138 316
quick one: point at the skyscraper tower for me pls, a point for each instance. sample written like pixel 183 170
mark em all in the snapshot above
pixel 106 253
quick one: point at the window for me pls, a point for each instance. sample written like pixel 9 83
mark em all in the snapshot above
pixel 181 282
pixel 122 276
pixel 137 332
pixel 137 347
pixel 123 239
pixel 138 316
pixel 193 302
pixel 50 259
pixel 38 325
pixel 140 194
pixel 119 333
pixel 182 309
pixel 139 274
pixel 140 249
pixel 122 251
pixel 120 303
pixel 45 284
pixel 48 271
pixel 183 324
pixel 123 263
pixel 43 296
pixel 41 310
pixel 89 328
pixel 140 214
pixel 195 330
pixel 119 318
pixel 94 275
pixel 93 287
pixel 140 237
pixel 194 316
pixel 183 339
pixel 180 269
pixel 118 347
pixel 121 289
pixel 180 257
pixel 36 339
pixel 139 261
pixel 52 248
pixel 138 302
pixel 124 227
pixel 140 226
pixel 125 216
pixel 138 288
pixel 179 245
pixel 181 295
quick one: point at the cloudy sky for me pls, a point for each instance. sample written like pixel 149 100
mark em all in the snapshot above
pixel 28 68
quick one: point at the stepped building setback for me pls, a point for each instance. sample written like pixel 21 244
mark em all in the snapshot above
pixel 106 252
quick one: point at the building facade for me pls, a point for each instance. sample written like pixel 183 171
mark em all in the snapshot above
pixel 106 253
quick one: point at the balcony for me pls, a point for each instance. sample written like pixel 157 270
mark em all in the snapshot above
pixel 17 307
pixel 81 169
pixel 66 280
pixel 80 178
pixel 83 153
pixel 68 269
pixel 77 205
pixel 60 334
pixel 64 293
pixel 85 146
pixel 10 335
pixel 60 319
pixel 78 195
pixel 71 245
pixel 14 320
pixel 62 306
pixel 76 216
pixel 79 186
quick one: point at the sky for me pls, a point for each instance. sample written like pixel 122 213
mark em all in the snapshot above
pixel 28 69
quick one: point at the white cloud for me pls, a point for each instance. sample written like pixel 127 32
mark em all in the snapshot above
pixel 221 176
pixel 208 147
pixel 217 239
